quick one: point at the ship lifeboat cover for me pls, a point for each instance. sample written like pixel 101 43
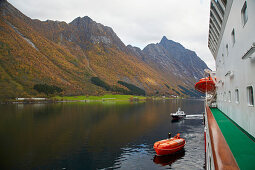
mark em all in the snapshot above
pixel 205 85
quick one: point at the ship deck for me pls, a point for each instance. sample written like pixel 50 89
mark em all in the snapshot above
pixel 241 144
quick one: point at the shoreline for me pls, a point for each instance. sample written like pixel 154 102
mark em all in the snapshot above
pixel 87 99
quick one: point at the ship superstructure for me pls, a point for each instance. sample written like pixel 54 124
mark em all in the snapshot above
pixel 230 111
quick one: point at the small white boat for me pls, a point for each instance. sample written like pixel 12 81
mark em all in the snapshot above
pixel 179 114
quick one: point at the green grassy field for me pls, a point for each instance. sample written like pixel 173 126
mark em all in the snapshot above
pixel 107 97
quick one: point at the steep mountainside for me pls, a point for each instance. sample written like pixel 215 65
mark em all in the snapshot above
pixel 70 56
pixel 193 65
pixel 172 60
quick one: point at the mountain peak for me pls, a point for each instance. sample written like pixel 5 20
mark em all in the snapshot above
pixel 170 43
pixel 164 39
pixel 86 18
pixel 82 49
pixel 79 20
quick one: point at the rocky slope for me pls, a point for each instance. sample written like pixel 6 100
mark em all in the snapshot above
pixel 173 60
pixel 70 55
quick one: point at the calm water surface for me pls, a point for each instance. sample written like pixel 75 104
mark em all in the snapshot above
pixel 98 135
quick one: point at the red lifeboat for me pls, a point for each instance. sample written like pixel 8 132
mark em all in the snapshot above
pixel 169 146
pixel 205 85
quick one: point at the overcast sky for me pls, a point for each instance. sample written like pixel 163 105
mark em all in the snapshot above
pixel 136 22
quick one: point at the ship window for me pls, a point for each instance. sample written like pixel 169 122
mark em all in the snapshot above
pixel 244 13
pixel 229 96
pixel 227 49
pixel 224 3
pixel 210 163
pixel 237 95
pixel 233 37
pixel 250 96
pixel 219 7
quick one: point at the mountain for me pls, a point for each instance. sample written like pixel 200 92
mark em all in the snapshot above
pixel 84 57
pixel 173 61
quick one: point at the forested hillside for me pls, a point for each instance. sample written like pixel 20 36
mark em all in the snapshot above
pixel 71 56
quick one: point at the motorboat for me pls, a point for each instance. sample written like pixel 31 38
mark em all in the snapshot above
pixel 179 114
pixel 169 146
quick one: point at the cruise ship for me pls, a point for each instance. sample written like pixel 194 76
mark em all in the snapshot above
pixel 229 107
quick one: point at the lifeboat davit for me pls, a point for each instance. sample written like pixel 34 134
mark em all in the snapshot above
pixel 205 85
pixel 169 146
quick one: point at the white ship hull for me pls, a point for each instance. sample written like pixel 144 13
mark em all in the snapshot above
pixel 232 43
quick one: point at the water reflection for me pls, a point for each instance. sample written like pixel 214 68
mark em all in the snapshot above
pixel 95 135
pixel 168 159
pixel 177 120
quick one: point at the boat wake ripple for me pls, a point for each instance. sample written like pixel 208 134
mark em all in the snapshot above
pixel 197 116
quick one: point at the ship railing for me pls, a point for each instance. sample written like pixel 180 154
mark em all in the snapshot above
pixel 211 99
pixel 222 157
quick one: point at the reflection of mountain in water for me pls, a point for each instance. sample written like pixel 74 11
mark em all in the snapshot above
pixel 168 159
pixel 95 136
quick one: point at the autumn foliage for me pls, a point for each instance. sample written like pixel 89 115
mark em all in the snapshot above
pixel 47 89
pixel 35 54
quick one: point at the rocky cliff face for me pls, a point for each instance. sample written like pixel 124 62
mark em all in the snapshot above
pixel 193 65
pixel 172 59
pixel 69 55
pixel 90 31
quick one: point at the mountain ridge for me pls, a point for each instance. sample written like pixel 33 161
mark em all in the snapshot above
pixel 68 55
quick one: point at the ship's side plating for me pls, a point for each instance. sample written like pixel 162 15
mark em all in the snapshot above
pixel 235 67
pixel 208 146
pixel 232 43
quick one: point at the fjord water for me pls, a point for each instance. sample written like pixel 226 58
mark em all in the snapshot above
pixel 99 135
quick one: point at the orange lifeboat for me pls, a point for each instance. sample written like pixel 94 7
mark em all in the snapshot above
pixel 205 85
pixel 169 146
